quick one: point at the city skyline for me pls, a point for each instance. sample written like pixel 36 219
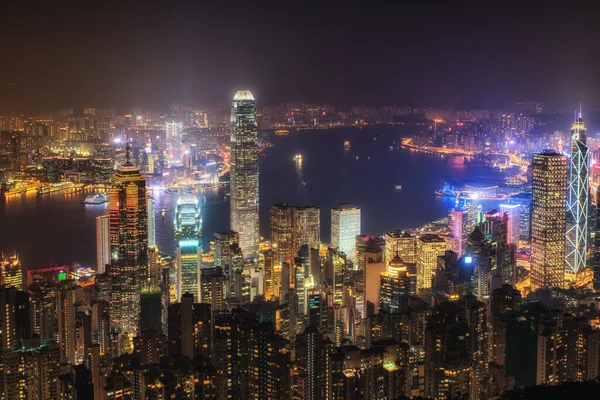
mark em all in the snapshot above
pixel 161 233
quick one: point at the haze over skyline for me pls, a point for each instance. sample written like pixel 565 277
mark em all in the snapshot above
pixel 468 55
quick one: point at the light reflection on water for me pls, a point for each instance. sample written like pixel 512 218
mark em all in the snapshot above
pixel 57 228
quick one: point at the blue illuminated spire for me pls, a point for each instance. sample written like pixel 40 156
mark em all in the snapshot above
pixel 578 199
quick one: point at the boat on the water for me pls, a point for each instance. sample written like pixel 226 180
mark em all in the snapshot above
pixel 96 199
pixel 55 187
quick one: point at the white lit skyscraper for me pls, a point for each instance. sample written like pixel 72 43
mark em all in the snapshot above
pixel 102 243
pixel 513 211
pixel 244 173
pixel 578 200
pixel 173 131
pixel 188 246
pixel 345 226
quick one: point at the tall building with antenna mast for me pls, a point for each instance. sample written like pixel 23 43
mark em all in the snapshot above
pixel 128 243
pixel 578 198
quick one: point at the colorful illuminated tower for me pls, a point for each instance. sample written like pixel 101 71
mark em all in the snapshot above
pixel 244 172
pixel 129 243
pixel 578 200
pixel 188 246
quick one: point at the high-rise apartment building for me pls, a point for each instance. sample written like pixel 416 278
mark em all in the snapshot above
pixel 102 243
pixel 244 173
pixel 458 222
pixel 282 233
pixel 345 226
pixel 307 226
pixel 429 248
pixel 402 244
pixel 129 244
pixel 189 328
pixel 188 246
pixel 548 219
pixel 66 320
pixel 173 131
pixel 578 199
pixel 513 212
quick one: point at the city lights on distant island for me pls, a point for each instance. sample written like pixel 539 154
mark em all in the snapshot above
pixel 299 250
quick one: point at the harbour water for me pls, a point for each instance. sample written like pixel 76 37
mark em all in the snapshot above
pixel 57 228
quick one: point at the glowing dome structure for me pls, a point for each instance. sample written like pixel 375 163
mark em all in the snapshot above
pixel 243 95
pixel 396 266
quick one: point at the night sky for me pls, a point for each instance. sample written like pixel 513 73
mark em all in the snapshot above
pixel 466 54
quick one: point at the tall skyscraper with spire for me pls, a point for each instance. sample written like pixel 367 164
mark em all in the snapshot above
pixel 578 199
pixel 129 243
pixel 244 172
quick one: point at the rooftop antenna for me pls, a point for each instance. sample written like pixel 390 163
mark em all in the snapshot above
pixel 579 109
pixel 127 152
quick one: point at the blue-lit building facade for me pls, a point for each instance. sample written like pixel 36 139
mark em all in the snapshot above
pixel 188 246
pixel 578 198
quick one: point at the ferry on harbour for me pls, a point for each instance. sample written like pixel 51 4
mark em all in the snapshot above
pixel 96 199
pixel 55 187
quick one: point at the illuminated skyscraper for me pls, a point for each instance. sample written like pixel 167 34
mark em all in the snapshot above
pixel 151 223
pixel 244 172
pixel 345 226
pixel 513 211
pixel 578 200
pixel 66 320
pixel 307 226
pixel 102 243
pixel 292 227
pixel 188 246
pixel 402 244
pixel 282 233
pixel 128 242
pixel 394 286
pixel 429 248
pixel 173 132
pixel 458 222
pixel 548 220
pixel 11 271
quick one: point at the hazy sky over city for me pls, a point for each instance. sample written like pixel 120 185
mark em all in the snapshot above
pixel 147 54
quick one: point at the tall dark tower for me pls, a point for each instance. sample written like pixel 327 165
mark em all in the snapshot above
pixel 128 244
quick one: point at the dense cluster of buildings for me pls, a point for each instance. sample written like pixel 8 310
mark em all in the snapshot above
pixel 416 314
